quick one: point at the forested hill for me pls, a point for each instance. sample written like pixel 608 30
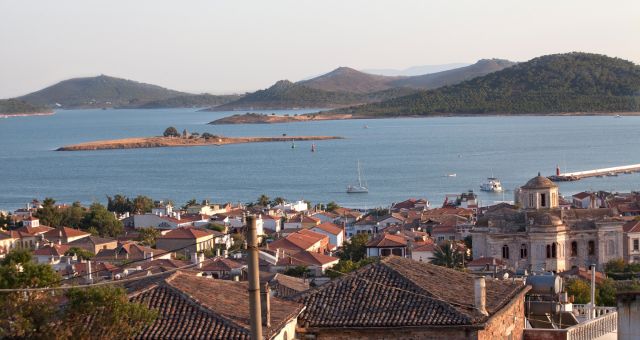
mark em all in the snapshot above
pixel 14 106
pixel 190 100
pixel 560 83
pixel 100 91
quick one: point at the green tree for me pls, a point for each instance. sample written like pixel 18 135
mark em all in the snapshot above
pixel 49 214
pixel 347 266
pixel 447 255
pixel 171 132
pixel 580 291
pixel 355 249
pixel 238 241
pixel 142 204
pixel 112 315
pixel 81 253
pixel 148 236
pixel 278 200
pixel 120 204
pixel 103 220
pixel 606 293
pixel 263 200
pixel 297 271
pixel 190 203
pixel 331 206
pixel 73 215
pixel 615 266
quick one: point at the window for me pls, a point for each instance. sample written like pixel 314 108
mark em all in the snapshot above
pixel 636 244
pixel 611 247
pixel 553 250
pixel 574 248
pixel 543 200
pixel 548 251
pixel 523 251
pixel 531 199
pixel 592 248
pixel 505 251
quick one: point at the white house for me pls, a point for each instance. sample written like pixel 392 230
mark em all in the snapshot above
pixel 423 252
pixel 168 222
pixel 332 231
pixel 298 206
pixel 271 223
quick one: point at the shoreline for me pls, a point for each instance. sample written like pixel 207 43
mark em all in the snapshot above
pixel 9 115
pixel 160 142
pixel 252 118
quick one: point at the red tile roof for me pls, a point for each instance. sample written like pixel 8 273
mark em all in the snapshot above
pixel 387 240
pixel 483 261
pixel 631 227
pixel 34 230
pixel 582 195
pixel 52 250
pixel 187 233
pixel 221 264
pixel 66 233
pixel 307 258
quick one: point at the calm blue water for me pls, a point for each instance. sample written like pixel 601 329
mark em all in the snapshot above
pixel 401 158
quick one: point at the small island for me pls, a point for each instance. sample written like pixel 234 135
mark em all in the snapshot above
pixel 171 138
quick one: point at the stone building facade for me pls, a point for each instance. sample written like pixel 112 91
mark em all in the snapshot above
pixel 541 236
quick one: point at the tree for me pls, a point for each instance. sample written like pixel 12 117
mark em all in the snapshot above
pixel 5 221
pixel 297 271
pixel 73 215
pixel 190 203
pixel 580 291
pixel 347 266
pixel 278 200
pixel 447 255
pixel 81 253
pixel 112 315
pixel 171 132
pixel 615 266
pixel 606 293
pixel 142 204
pixel 148 236
pixel 263 200
pixel 331 206
pixel 238 241
pixel 49 213
pixel 119 204
pixel 355 249
pixel 103 220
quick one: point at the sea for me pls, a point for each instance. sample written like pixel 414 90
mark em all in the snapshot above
pixel 400 158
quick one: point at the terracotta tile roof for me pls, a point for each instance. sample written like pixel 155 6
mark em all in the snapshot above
pixel 346 212
pixel 307 258
pixel 387 240
pixel 52 250
pixel 631 227
pixel 94 240
pixel 483 261
pixel 443 229
pixel 399 292
pixel 581 195
pixel 425 247
pixel 34 230
pixel 294 283
pixel 187 233
pixel 330 228
pixel 300 240
pixel 221 264
pixel 66 233
pixel 195 307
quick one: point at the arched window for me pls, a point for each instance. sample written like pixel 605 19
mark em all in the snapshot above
pixel 574 248
pixel 554 250
pixel 505 251
pixel 548 251
pixel 523 251
pixel 592 248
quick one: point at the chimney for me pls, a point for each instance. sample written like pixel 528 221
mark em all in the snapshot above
pixel 195 258
pixel 90 277
pixel 265 303
pixel 200 260
pixel 480 295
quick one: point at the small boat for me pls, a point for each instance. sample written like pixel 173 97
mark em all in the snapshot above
pixel 365 126
pixel 611 173
pixel 618 116
pixel 450 175
pixel 313 148
pixel 360 188
pixel 492 184
pixel 293 145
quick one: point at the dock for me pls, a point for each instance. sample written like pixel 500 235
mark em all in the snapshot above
pixel 577 175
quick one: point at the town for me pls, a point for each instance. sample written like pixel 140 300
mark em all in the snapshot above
pixel 543 265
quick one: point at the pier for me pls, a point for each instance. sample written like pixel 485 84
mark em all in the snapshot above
pixel 577 175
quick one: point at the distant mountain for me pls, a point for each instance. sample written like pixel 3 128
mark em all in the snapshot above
pixel 285 95
pixel 15 106
pixel 345 79
pixel 100 91
pixel 190 100
pixel 416 70
pixel 454 76
pixel 560 83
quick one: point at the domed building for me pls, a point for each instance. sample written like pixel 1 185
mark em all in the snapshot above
pixel 537 235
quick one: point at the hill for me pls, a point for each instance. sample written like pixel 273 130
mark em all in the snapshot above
pixel 96 92
pixel 285 95
pixel 190 100
pixel 560 83
pixel 454 76
pixel 15 107
pixel 416 70
pixel 345 79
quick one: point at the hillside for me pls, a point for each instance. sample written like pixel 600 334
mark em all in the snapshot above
pixel 345 79
pixel 415 70
pixel 190 100
pixel 560 83
pixel 15 107
pixel 96 92
pixel 285 95
pixel 454 76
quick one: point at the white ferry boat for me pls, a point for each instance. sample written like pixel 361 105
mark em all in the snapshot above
pixel 492 184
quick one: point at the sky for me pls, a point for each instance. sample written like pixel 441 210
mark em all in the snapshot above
pixel 241 45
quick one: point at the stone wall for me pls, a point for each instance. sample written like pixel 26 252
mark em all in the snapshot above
pixel 509 321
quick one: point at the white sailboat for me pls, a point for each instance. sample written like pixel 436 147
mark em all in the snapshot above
pixel 359 188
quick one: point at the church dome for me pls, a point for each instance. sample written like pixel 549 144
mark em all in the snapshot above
pixel 539 182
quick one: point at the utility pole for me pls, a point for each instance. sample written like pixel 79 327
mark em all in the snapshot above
pixel 254 279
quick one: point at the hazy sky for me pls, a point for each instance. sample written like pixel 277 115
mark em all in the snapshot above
pixel 235 46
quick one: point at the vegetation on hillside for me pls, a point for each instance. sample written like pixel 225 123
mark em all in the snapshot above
pixel 190 100
pixel 573 82
pixel 16 106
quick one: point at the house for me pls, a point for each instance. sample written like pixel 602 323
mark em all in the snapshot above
pixel 301 221
pixel 326 216
pixel 631 241
pixel 444 233
pixel 411 204
pixel 273 223
pixel 423 251
pixel 176 220
pixel 317 263
pixel 399 298
pixel 283 286
pixel 346 216
pixel 585 200
pixel 302 240
pixel 187 240
pixel 190 307
pixel 50 253
pixel 94 244
pixel 224 268
pixel 64 235
pixel 299 206
pixel 131 251
pixel 367 225
pixel 391 219
pixel 332 231
pixel 387 244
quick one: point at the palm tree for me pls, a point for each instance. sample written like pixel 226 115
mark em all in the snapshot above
pixel 447 255
pixel 263 200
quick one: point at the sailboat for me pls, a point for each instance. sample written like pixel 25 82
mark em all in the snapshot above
pixel 359 188
pixel 313 148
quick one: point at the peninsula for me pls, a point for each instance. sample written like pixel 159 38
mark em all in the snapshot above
pixel 161 141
